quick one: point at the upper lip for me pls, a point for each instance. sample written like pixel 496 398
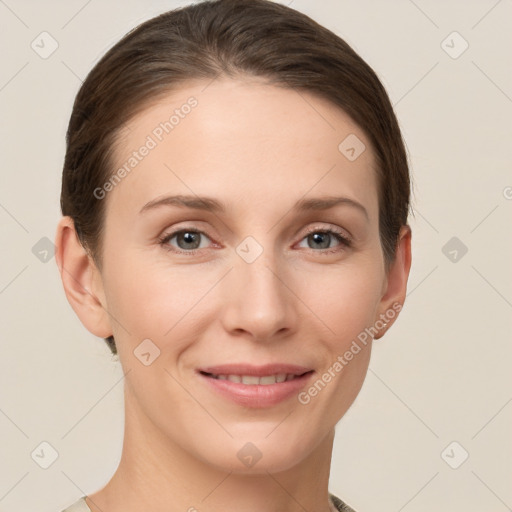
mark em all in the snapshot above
pixel 258 371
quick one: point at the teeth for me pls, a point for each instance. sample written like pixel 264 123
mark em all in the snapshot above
pixel 251 380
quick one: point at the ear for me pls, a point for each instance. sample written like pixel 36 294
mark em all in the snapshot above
pixel 81 280
pixel 395 288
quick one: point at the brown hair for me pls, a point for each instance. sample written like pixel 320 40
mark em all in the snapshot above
pixel 232 38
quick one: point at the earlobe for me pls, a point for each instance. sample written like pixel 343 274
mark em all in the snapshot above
pixel 78 273
pixel 396 288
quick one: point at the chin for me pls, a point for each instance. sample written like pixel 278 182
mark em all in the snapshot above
pixel 261 456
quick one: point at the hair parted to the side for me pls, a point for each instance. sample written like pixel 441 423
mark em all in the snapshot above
pixel 231 38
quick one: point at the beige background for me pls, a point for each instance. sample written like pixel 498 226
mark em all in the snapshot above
pixel 441 374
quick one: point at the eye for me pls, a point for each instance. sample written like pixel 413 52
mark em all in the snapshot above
pixel 187 240
pixel 190 240
pixel 322 239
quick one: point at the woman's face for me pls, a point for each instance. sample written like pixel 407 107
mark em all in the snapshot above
pixel 254 275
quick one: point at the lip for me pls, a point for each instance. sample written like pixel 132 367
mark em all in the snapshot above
pixel 256 396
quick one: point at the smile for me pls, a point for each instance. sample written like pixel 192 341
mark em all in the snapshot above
pixel 252 380
pixel 256 386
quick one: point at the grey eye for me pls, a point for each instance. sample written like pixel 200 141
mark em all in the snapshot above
pixel 186 239
pixel 190 240
pixel 322 240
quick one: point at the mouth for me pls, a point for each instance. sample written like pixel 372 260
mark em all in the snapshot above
pixel 253 386
pixel 253 380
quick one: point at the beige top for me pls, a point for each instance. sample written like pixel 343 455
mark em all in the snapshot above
pixel 338 505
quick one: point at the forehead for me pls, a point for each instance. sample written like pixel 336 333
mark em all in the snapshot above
pixel 242 140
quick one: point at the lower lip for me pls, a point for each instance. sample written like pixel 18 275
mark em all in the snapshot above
pixel 257 395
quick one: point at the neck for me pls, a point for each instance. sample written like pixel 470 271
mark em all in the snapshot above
pixel 158 475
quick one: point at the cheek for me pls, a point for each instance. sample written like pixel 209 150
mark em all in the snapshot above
pixel 344 299
pixel 344 304
pixel 155 301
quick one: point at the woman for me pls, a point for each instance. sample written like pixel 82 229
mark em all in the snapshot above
pixel 235 198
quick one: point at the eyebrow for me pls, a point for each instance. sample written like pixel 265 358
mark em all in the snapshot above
pixel 213 205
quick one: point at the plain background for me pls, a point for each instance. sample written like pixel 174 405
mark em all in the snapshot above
pixel 440 375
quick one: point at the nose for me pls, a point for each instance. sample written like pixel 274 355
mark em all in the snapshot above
pixel 259 300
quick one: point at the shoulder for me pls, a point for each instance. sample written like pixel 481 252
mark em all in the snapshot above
pixel 340 505
pixel 78 506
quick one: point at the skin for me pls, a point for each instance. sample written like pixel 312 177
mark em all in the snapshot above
pixel 258 149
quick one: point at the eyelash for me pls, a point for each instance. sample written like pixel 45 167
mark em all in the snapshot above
pixel 338 235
